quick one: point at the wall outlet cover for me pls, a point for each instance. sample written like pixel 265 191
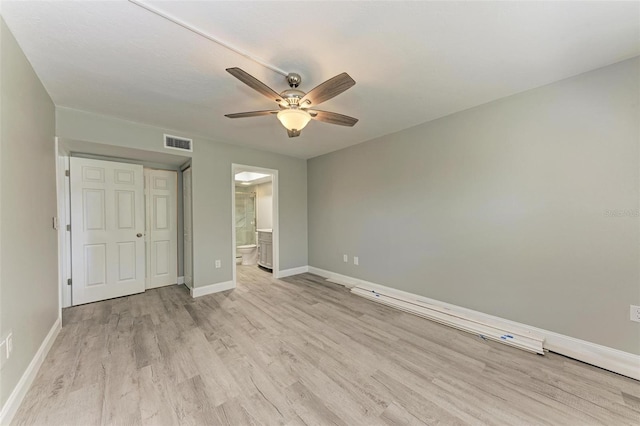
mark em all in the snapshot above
pixel 218 264
pixel 635 313
pixel 356 261
pixel 345 258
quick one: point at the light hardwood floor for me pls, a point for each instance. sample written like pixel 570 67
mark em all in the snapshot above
pixel 301 351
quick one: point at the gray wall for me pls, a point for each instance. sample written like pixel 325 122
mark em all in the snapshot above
pixel 28 242
pixel 503 208
pixel 211 188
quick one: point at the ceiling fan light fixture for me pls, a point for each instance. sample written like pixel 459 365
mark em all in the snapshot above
pixel 294 119
pixel 293 103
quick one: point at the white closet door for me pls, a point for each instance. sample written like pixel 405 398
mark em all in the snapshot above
pixel 162 227
pixel 107 226
pixel 188 244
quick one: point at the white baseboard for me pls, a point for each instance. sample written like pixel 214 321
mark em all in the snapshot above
pixel 212 288
pixel 180 280
pixel 502 333
pixel 620 362
pixel 15 399
pixel 293 271
pixel 336 278
pixel 615 360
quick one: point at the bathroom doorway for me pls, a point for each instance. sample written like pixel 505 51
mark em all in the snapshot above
pixel 255 239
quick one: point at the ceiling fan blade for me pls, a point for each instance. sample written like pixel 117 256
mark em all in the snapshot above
pixel 254 83
pixel 329 89
pixel 293 133
pixel 332 118
pixel 250 114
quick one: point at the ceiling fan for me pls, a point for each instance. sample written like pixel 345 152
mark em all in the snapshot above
pixel 295 106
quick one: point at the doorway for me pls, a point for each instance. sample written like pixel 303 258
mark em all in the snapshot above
pixel 115 268
pixel 255 225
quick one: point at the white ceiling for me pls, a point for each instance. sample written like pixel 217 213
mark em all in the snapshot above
pixel 412 61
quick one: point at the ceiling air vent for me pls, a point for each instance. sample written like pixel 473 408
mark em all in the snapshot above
pixel 174 142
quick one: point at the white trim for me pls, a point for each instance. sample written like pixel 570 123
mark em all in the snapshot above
pixel 180 280
pixel 336 278
pixel 293 271
pixel 516 337
pixel 615 360
pixel 64 236
pixel 276 222
pixel 67 235
pixel 212 288
pixel 61 223
pixel 15 399
pixel 187 226
pixel 620 362
pixel 234 250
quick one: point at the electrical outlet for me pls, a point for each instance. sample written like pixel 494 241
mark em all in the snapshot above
pixel 635 313
pixel 218 264
pixel 355 260
pixel 345 258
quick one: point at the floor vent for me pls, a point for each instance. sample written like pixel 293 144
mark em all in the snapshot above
pixel 175 142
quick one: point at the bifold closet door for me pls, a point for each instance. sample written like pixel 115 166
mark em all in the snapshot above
pixel 107 228
pixel 162 227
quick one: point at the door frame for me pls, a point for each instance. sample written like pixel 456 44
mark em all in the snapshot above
pixel 185 244
pixel 63 197
pixel 235 168
pixel 62 158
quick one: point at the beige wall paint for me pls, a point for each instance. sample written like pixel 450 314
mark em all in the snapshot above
pixel 211 185
pixel 504 208
pixel 28 242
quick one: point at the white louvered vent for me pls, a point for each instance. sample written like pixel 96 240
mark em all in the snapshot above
pixel 175 142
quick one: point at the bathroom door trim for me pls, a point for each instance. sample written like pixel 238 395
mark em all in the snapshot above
pixel 276 223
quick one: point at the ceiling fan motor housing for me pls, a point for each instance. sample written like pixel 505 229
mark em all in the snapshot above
pixel 292 97
pixel 294 79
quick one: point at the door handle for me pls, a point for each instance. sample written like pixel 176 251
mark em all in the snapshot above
pixel 139 235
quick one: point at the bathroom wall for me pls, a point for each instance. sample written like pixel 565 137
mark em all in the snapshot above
pixel 264 202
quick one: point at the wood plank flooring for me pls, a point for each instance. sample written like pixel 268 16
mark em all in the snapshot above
pixel 301 351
